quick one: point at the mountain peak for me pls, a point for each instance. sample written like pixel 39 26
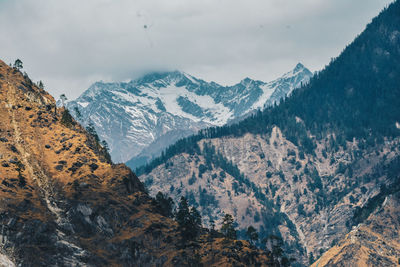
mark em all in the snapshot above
pixel 299 70
pixel 160 75
pixel 246 80
pixel 299 67
pixel 58 188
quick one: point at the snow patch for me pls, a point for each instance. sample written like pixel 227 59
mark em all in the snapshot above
pixel 267 92
pixel 5 261
pixel 83 104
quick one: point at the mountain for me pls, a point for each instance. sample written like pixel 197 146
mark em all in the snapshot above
pixel 64 203
pixel 141 118
pixel 312 167
pixel 373 243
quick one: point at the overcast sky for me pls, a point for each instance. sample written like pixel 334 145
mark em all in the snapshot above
pixel 71 44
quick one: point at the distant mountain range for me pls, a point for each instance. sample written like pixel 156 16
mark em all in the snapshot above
pixel 64 203
pixel 321 169
pixel 140 118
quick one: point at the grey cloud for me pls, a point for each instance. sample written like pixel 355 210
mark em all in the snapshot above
pixel 70 44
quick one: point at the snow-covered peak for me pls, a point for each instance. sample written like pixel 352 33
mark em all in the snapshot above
pixel 133 115
pixel 298 71
pixel 299 67
pixel 163 79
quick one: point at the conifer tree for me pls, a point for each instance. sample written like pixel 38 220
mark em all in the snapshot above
pixel 78 113
pixel 189 220
pixel 165 204
pixel 252 234
pixel 18 64
pixel 228 228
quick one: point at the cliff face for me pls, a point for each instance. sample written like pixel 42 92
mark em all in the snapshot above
pixel 308 200
pixel 373 243
pixel 312 167
pixel 62 202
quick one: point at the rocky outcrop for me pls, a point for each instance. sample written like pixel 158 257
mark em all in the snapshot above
pixel 64 203
pixel 310 198
pixel 376 242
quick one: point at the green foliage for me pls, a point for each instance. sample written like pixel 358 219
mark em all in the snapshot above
pixel 92 131
pixel 392 171
pixel 274 246
pixel 21 180
pixel 207 200
pixel 104 144
pixel 164 204
pixel 228 228
pixel 77 113
pixel 202 169
pixel 100 146
pixel 63 98
pixel 189 221
pixel 300 210
pixel 66 118
pixel 252 234
pixel 40 85
pixel 192 179
pixel 316 181
pixel 18 64
pixel 311 259
pixel 356 95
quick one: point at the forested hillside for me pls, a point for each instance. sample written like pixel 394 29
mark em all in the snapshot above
pixel 311 167
pixel 356 96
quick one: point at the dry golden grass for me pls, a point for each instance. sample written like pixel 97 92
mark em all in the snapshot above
pixel 43 161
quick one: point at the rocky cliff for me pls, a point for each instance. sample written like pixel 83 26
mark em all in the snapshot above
pixel 312 167
pixel 64 203
pixel 375 242
pixel 308 200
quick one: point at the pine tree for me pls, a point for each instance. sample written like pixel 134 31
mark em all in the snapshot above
pixel 227 228
pixel 18 64
pixel 195 221
pixel 63 99
pixel 252 234
pixel 92 131
pixel 66 118
pixel 78 113
pixel 40 85
pixel 189 220
pixel 165 204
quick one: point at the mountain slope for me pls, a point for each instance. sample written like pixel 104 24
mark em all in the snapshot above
pixel 302 169
pixel 154 111
pixel 376 242
pixel 64 203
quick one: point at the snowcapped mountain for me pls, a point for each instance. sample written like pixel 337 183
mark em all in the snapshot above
pixel 138 119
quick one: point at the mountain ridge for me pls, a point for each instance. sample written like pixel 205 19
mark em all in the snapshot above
pixel 64 203
pixel 311 164
pixel 133 115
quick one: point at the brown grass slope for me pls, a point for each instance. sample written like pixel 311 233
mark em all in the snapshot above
pixel 376 242
pixel 62 203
